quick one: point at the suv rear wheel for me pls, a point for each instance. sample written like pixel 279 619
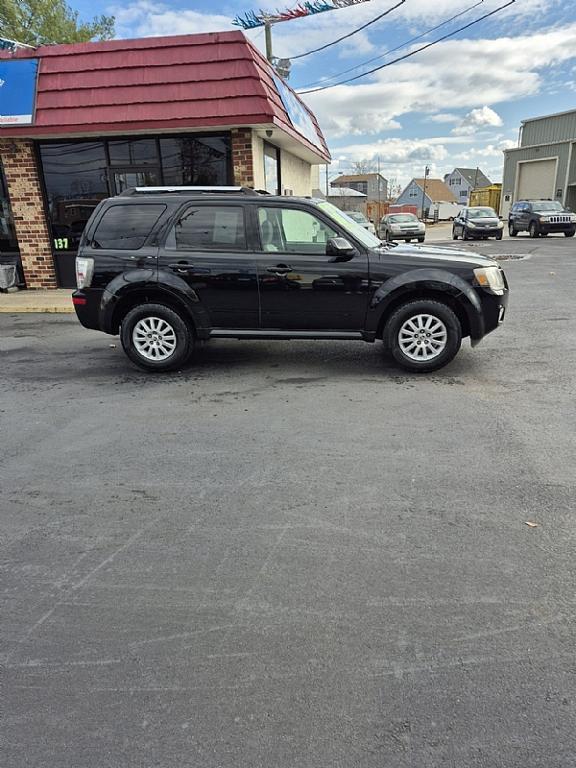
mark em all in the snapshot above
pixel 423 335
pixel 156 338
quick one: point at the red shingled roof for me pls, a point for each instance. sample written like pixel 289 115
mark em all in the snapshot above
pixel 157 83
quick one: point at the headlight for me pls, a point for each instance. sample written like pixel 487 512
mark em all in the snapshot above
pixel 84 272
pixel 544 218
pixel 500 224
pixel 471 225
pixel 490 278
pixel 573 217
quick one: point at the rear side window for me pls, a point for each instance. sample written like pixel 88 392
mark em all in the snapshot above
pixel 206 227
pixel 126 227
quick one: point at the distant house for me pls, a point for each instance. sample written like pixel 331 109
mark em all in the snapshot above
pixel 347 199
pixel 436 192
pixel 373 185
pixel 463 180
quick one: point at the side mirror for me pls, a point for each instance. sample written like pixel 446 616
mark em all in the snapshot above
pixel 340 249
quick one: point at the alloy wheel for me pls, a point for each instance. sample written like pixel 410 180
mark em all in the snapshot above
pixel 422 337
pixel 154 338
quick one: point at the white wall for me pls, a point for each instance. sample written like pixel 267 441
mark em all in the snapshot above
pixel 296 174
pixel 258 161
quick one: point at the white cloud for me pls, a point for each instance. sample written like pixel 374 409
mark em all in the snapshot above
pixel 487 72
pixel 147 19
pixel 444 117
pixel 476 120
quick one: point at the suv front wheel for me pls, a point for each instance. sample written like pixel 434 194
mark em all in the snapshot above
pixel 423 335
pixel 156 338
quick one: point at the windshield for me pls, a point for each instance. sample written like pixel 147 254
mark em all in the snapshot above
pixel 399 218
pixel 543 205
pixel 482 213
pixel 357 216
pixel 351 226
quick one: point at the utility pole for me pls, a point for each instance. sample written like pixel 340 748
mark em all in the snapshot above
pixel 268 35
pixel 378 182
pixel 426 173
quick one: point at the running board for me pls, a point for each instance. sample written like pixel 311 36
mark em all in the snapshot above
pixel 225 333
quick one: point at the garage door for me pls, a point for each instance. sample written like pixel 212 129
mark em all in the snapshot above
pixel 536 180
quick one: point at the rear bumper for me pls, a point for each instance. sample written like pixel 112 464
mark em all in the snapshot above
pixel 87 306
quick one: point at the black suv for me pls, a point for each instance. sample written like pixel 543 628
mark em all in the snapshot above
pixel 167 267
pixel 540 217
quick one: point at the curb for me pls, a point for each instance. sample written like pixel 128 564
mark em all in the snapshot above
pixel 22 309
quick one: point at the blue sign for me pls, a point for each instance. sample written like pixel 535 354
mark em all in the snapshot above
pixel 298 114
pixel 17 91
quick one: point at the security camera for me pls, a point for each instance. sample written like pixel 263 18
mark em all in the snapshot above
pixel 269 133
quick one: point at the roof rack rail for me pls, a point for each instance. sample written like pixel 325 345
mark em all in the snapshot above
pixel 133 191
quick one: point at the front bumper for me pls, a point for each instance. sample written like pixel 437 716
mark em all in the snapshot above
pixel 485 231
pixel 494 310
pixel 549 228
pixel 406 235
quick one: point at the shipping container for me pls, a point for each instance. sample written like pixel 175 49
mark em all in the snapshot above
pixel 487 196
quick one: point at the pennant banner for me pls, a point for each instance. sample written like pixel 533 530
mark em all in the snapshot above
pixel 253 19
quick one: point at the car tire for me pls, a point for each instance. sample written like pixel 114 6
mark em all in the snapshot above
pixel 420 239
pixel 570 234
pixel 512 231
pixel 402 334
pixel 533 229
pixel 465 235
pixel 454 235
pixel 499 236
pixel 156 338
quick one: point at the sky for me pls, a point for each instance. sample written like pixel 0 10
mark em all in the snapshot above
pixel 459 103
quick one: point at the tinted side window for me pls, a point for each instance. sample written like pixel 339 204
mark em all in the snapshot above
pixel 126 227
pixel 292 230
pixel 205 227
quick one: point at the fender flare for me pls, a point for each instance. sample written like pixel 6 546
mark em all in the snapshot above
pixel 146 281
pixel 422 281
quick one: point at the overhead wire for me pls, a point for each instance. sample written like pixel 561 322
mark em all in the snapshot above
pixel 412 53
pixel 349 34
pixel 396 48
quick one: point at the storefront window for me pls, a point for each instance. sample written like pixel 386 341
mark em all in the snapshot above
pixel 78 175
pixel 133 152
pixel 8 242
pixel 272 169
pixel 192 161
pixel 76 180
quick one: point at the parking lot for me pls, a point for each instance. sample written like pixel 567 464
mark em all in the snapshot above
pixel 293 554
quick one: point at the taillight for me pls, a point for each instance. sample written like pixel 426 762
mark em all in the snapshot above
pixel 84 272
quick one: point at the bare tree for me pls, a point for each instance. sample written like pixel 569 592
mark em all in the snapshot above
pixel 360 167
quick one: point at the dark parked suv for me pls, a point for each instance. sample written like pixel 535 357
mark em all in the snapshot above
pixel 167 267
pixel 540 217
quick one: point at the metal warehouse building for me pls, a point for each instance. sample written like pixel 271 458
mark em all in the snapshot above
pixel 544 164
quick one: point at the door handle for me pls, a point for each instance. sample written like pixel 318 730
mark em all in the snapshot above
pixel 280 269
pixel 181 267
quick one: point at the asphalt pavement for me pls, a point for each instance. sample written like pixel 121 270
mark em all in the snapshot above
pixel 293 554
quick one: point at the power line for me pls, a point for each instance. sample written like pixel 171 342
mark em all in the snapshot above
pixel 354 31
pixel 397 48
pixel 412 53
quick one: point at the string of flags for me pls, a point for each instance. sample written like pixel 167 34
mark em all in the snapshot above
pixel 259 18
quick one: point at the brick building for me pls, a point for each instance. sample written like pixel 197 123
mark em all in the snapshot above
pixel 186 110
